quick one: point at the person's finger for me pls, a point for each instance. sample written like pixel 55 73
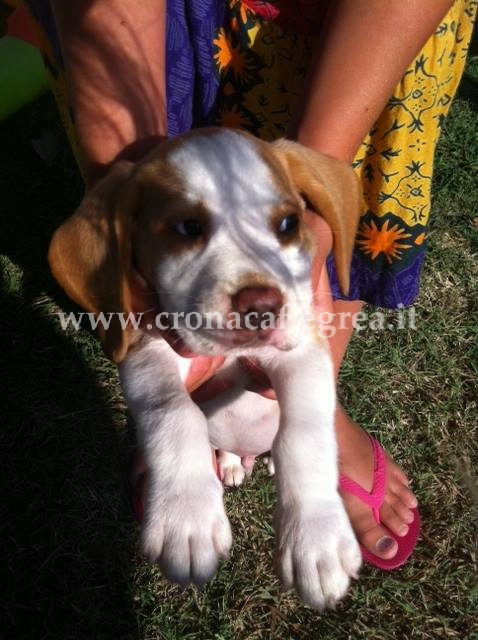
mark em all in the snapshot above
pixel 201 370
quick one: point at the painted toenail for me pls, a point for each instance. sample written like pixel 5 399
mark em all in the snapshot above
pixel 384 544
pixel 403 530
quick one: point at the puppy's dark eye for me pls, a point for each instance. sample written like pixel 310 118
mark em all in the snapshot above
pixel 189 228
pixel 288 224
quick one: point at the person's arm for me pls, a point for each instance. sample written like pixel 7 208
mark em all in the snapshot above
pixel 114 53
pixel 362 53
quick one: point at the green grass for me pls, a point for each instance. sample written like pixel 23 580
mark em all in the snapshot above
pixel 71 562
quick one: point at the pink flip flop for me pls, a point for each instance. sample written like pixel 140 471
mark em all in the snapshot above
pixel 374 499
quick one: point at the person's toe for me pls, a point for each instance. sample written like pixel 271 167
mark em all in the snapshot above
pixel 375 538
pixel 404 495
pixel 396 506
pixel 393 520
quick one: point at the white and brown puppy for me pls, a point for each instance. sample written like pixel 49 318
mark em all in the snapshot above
pixel 213 220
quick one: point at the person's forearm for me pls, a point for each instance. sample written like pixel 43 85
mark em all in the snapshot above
pixel 362 54
pixel 114 54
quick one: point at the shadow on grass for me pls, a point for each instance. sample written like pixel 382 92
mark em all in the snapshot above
pixel 65 521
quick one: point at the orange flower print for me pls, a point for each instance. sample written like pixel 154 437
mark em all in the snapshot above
pixel 229 57
pixel 233 5
pixel 233 118
pixel 386 240
pixel 420 239
pixel 223 55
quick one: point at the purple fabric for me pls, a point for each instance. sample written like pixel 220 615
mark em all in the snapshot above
pixel 191 82
pixel 382 288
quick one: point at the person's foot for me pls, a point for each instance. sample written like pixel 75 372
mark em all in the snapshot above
pixel 356 462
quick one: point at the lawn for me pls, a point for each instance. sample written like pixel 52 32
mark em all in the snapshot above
pixel 71 564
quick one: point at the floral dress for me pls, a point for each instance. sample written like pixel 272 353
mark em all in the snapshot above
pixel 242 63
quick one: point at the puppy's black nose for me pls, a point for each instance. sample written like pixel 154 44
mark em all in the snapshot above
pixel 257 300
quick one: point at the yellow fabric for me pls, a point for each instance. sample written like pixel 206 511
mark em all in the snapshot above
pixel 395 162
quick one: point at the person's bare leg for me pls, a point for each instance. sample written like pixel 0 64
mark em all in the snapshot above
pixel 356 462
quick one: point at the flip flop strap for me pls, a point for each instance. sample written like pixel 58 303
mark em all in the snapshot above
pixel 373 498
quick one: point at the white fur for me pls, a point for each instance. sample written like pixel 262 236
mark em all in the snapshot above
pixel 231 471
pixel 185 528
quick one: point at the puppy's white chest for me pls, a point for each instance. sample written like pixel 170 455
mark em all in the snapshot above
pixel 239 421
pixel 246 425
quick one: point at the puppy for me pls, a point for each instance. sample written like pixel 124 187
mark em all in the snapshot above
pixel 213 222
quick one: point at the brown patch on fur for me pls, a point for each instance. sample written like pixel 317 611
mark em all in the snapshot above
pixel 163 207
pixel 90 254
pixel 298 236
pixel 334 192
pixel 253 280
pixel 157 233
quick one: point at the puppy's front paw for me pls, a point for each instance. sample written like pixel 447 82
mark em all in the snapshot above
pixel 186 530
pixel 317 551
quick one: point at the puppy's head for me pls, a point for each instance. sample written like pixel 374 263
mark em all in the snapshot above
pixel 213 222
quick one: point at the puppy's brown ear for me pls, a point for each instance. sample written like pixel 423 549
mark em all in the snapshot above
pixel 333 190
pixel 90 254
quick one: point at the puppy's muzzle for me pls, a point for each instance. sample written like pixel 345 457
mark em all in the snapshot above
pixel 258 308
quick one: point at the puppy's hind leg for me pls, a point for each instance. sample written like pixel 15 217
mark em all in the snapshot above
pixel 269 462
pixel 231 470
